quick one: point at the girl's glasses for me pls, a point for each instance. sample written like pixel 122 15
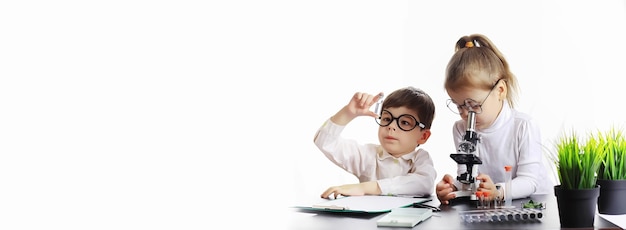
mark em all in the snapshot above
pixel 469 104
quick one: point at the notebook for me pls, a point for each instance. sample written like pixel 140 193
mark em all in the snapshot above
pixel 404 217
pixel 365 204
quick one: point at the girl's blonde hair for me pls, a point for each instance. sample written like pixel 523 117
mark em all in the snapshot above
pixel 478 63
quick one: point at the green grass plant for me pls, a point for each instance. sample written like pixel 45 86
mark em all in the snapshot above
pixel 578 162
pixel 613 165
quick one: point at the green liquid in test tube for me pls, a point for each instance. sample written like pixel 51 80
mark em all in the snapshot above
pixel 508 193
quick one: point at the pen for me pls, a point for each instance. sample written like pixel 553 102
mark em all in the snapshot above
pixel 420 205
pixel 412 196
pixel 330 207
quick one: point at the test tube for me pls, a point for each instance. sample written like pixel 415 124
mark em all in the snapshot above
pixel 517 216
pixel 379 104
pixel 508 192
pixel 494 217
pixel 498 200
pixel 503 216
pixel 532 215
pixel 507 215
pixel 481 199
pixel 486 200
pixel 498 216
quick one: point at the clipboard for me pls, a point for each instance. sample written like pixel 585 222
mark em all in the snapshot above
pixel 365 204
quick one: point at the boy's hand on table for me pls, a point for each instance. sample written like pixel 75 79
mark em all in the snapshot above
pixel 360 189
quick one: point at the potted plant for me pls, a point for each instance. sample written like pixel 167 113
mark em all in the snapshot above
pixel 577 194
pixel 612 173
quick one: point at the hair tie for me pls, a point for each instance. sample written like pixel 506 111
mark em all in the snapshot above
pixel 469 44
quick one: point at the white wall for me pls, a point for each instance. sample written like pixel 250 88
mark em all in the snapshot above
pixel 568 66
pixel 150 114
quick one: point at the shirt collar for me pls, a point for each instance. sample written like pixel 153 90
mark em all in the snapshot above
pixel 383 154
pixel 502 119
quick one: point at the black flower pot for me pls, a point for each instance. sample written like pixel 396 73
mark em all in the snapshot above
pixel 577 207
pixel 612 199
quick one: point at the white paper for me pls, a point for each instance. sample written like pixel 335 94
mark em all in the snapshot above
pixel 370 203
pixel 619 220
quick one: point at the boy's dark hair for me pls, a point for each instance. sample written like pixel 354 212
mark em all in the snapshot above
pixel 414 99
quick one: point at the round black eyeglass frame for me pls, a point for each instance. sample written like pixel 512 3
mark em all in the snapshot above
pixel 397 119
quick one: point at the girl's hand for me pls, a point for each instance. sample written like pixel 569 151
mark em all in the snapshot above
pixel 486 184
pixel 445 188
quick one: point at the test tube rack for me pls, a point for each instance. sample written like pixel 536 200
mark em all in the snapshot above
pixel 501 215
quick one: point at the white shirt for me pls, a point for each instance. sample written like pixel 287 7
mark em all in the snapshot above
pixel 513 139
pixel 410 174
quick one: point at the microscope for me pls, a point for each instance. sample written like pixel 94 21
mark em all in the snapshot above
pixel 466 155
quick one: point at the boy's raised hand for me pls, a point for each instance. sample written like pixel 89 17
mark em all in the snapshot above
pixel 359 105
pixel 361 102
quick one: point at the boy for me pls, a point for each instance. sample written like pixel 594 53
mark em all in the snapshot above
pixel 396 166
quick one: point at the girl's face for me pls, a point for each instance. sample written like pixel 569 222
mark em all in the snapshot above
pixel 394 138
pixel 486 103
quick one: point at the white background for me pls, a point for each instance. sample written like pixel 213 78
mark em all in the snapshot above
pixel 154 114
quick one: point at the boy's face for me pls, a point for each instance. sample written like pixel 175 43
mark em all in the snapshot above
pixel 397 141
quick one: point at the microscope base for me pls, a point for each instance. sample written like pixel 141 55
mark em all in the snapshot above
pixel 463 193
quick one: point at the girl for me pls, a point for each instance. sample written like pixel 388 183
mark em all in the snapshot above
pixel 478 79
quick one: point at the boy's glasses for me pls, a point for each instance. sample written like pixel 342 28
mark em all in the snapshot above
pixel 405 122
pixel 469 104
